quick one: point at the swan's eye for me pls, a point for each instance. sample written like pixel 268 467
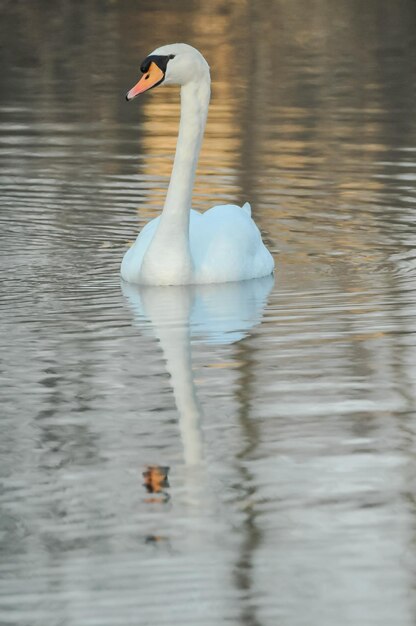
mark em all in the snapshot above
pixel 171 56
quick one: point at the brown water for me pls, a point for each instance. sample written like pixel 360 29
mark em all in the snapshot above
pixel 285 409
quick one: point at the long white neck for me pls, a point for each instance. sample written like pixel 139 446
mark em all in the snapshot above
pixel 168 258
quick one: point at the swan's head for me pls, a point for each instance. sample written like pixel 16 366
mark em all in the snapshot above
pixel 175 64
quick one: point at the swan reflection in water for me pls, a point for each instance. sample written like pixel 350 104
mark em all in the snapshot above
pixel 216 313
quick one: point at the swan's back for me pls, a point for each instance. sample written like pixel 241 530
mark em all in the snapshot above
pixel 226 245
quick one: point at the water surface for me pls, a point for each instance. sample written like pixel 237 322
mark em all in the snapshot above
pixel 284 409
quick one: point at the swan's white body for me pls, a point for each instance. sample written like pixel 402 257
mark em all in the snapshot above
pixel 182 246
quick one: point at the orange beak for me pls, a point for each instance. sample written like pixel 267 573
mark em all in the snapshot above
pixel 153 77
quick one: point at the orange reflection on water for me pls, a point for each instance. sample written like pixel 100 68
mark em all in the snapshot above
pixel 155 482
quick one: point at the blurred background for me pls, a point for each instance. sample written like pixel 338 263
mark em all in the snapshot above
pixel 301 506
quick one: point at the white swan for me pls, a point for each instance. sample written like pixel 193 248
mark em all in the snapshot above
pixel 182 246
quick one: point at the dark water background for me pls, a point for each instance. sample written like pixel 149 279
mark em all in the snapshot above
pixel 285 410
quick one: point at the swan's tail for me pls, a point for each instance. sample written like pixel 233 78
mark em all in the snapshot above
pixel 247 208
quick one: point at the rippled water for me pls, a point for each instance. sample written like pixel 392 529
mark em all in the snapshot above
pixel 240 454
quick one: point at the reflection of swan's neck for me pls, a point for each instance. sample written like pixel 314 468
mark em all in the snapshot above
pixel 176 347
pixel 168 255
pixel 169 310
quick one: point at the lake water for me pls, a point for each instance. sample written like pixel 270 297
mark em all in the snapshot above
pixel 235 454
